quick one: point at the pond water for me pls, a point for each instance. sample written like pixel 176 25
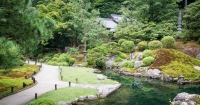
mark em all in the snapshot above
pixel 142 91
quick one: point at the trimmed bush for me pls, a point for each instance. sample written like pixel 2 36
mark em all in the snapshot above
pixel 73 51
pixel 147 61
pixel 142 45
pixel 147 53
pixel 118 59
pixel 72 61
pixel 168 42
pixel 128 64
pixel 155 44
pixel 127 46
pixel 122 55
pixel 100 64
pixel 120 41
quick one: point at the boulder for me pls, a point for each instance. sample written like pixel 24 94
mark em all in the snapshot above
pixel 197 67
pixel 80 65
pixel 198 56
pixel 82 98
pixel 139 57
pixel 97 71
pixel 185 99
pixel 109 64
pixel 100 77
pixel 153 73
pixel 137 64
pixel 141 69
pixel 137 74
pixel 91 97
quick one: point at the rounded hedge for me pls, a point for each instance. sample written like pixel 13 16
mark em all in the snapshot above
pixel 120 41
pixel 155 44
pixel 168 42
pixel 147 53
pixel 142 45
pixel 72 61
pixel 127 46
pixel 122 55
pixel 147 61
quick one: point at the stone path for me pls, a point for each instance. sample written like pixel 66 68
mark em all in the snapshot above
pixel 47 78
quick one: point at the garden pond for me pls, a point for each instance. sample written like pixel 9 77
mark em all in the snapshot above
pixel 142 91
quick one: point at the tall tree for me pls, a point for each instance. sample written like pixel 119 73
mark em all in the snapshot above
pixel 21 24
pixel 191 21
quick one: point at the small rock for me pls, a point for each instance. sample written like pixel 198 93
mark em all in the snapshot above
pixel 82 98
pixel 137 64
pixel 139 57
pixel 91 97
pixel 64 103
pixel 198 56
pixel 97 71
pixel 153 73
pixel 137 74
pixel 80 65
pixel 141 69
pixel 184 103
pixel 197 67
pixel 100 77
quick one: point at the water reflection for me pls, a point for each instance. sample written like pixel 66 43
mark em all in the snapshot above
pixel 142 91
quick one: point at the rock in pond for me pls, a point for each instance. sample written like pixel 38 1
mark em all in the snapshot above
pixel 100 77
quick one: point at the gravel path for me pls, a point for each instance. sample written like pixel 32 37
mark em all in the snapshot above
pixel 46 78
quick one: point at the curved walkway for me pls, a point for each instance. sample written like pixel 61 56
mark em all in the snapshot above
pixel 46 78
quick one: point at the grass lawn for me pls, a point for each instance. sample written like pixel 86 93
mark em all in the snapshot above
pixel 65 94
pixel 15 78
pixel 84 75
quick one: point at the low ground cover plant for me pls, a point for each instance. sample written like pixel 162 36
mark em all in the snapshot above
pixel 15 78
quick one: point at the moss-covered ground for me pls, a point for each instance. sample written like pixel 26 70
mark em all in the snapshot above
pixel 15 78
pixel 175 63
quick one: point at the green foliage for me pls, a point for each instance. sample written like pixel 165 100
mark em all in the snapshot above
pixel 122 55
pixel 100 63
pixel 118 59
pixel 147 53
pixel 142 45
pixel 113 48
pixel 72 61
pixel 43 102
pixel 168 42
pixel 73 51
pixel 127 46
pixel 128 64
pixel 9 54
pixel 155 44
pixel 120 41
pixel 64 57
pixel 97 53
pixel 147 61
pixel 191 21
pixel 175 69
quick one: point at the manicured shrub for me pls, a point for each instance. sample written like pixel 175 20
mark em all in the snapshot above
pixel 120 41
pixel 147 53
pixel 72 61
pixel 147 61
pixel 63 58
pixel 46 58
pixel 100 64
pixel 155 44
pixel 54 58
pixel 137 41
pixel 118 59
pixel 142 45
pixel 128 64
pixel 168 42
pixel 122 55
pixel 127 46
pixel 57 55
pixel 73 51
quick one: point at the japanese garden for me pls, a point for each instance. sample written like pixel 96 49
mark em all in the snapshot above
pixel 100 52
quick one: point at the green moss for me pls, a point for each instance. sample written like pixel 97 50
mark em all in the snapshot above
pixel 176 63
